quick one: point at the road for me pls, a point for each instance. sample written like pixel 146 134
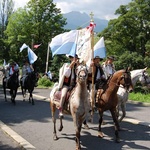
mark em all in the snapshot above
pixel 29 126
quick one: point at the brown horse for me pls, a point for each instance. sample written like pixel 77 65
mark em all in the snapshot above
pixel 78 103
pixel 106 98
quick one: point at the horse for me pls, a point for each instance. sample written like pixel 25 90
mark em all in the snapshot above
pixel 29 84
pixel 12 84
pixel 106 97
pixel 77 105
pixel 136 75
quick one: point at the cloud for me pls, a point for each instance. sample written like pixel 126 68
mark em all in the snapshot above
pixel 103 9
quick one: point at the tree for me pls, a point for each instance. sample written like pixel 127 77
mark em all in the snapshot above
pixel 6 9
pixel 36 23
pixel 130 31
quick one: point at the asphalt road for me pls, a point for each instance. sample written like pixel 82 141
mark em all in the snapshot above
pixel 30 127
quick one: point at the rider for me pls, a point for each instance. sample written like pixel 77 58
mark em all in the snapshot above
pixel 109 67
pixel 99 75
pixel 11 68
pixel 26 69
pixel 67 79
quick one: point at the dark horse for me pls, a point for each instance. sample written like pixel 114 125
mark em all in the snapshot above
pixel 29 85
pixel 12 84
pixel 106 98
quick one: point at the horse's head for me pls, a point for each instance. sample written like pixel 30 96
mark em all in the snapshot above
pixel 15 75
pixel 125 80
pixel 32 76
pixel 81 73
pixel 144 78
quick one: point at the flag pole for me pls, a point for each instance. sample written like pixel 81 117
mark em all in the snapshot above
pixel 92 48
pixel 46 70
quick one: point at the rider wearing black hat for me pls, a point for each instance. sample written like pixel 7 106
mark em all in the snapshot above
pixel 67 79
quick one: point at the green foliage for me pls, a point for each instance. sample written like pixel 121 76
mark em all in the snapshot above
pixel 130 31
pixel 140 97
pixel 129 59
pixel 36 23
pixel 44 82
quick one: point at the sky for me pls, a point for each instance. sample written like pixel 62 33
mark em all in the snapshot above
pixel 102 9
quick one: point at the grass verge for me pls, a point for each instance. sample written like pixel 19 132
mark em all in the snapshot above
pixel 140 97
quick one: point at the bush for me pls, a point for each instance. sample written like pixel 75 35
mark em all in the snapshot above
pixel 45 82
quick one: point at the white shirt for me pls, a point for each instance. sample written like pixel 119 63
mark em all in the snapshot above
pixel 13 68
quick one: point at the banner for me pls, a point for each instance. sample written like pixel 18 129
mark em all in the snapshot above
pixel 23 47
pixel 83 49
pixel 32 56
pixel 36 46
pixel 99 48
pixel 64 43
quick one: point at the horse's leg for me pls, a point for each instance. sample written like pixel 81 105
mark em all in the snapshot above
pixel 78 130
pixel 100 133
pixel 123 109
pixel 23 90
pixel 85 124
pixel 117 127
pixel 117 110
pixel 78 126
pixel 12 96
pixel 61 124
pixel 32 97
pixel 4 89
pixel 53 109
pixel 15 93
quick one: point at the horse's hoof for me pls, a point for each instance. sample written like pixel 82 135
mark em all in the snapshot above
pixel 104 123
pixel 86 127
pixel 117 140
pixel 78 148
pixel 55 138
pixel 60 129
pixel 100 135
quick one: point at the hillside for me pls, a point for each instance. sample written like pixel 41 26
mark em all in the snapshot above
pixel 76 19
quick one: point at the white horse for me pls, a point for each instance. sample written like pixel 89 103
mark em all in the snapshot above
pixel 78 103
pixel 136 75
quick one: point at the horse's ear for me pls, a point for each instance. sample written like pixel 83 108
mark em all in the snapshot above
pixel 145 68
pixel 128 69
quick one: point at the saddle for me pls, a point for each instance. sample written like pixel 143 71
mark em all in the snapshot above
pixel 56 100
pixel 57 96
pixel 100 84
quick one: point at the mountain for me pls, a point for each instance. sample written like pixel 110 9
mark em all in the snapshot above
pixel 76 19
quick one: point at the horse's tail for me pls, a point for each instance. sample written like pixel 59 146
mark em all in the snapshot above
pixel 54 89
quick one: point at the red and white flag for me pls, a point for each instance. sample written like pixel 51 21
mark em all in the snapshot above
pixel 91 26
pixel 37 46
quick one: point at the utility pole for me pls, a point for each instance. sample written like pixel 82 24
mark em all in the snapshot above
pixel 47 58
pixel 32 43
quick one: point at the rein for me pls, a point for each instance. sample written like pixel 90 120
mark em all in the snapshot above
pixel 119 85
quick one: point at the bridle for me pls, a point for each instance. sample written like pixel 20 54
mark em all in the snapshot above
pixel 126 83
pixel 145 78
pixel 82 68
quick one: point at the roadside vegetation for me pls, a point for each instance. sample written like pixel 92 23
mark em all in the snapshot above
pixel 140 97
